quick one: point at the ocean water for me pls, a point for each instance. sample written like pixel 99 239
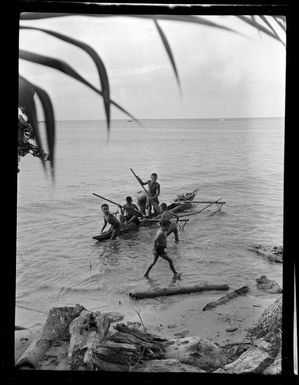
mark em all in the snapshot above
pixel 58 262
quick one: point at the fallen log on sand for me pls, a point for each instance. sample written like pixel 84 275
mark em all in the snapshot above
pixel 55 328
pixel 175 291
pixel 242 291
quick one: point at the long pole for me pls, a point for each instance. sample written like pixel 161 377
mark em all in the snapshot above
pixel 117 204
pixel 108 200
pixel 197 212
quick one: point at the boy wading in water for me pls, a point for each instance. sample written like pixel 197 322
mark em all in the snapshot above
pixel 167 214
pixel 112 220
pixel 160 246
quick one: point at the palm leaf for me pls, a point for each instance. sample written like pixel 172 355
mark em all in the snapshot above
pixel 259 27
pixel 96 59
pixel 282 26
pixel 26 99
pixel 49 122
pixel 168 50
pixel 68 70
pixel 272 29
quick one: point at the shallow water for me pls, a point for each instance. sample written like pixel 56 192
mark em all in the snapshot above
pixel 58 262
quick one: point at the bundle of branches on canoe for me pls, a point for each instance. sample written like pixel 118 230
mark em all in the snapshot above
pixel 184 202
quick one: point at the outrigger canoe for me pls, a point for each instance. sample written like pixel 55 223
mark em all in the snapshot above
pixel 182 203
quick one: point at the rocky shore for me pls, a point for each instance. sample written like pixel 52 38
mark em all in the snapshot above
pixel 226 337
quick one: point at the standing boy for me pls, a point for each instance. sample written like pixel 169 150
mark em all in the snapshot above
pixel 160 246
pixel 167 214
pixel 154 192
pixel 112 220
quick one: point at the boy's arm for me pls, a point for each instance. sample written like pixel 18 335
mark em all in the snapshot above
pixel 157 191
pixel 105 224
pixel 137 209
pixel 139 179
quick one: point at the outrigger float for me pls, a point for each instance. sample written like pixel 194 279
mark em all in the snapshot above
pixel 182 203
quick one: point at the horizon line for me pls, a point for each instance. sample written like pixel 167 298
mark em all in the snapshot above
pixel 218 118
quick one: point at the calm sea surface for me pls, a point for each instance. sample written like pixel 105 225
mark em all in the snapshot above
pixel 58 262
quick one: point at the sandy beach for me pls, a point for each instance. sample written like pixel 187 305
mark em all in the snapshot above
pixel 225 324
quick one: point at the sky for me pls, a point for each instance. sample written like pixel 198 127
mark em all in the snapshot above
pixel 222 74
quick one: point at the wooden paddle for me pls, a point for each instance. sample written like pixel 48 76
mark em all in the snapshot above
pixel 156 206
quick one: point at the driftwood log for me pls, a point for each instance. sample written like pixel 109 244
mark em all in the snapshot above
pixel 87 331
pixel 242 291
pixel 175 290
pixel 55 328
pixel 126 348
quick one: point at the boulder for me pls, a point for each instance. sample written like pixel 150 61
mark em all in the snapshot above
pixel 275 367
pixel 167 365
pixel 269 286
pixel 254 360
pixel 196 351
pixel 268 326
pixel 273 254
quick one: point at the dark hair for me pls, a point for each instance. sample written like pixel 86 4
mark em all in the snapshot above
pixel 104 205
pixel 129 199
pixel 164 222
pixel 163 206
pixel 154 174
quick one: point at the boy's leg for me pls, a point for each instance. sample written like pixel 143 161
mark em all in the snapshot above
pixel 176 233
pixel 169 260
pixel 115 232
pixel 122 219
pixel 151 265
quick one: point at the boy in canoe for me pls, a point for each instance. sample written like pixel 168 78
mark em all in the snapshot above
pixel 167 214
pixel 112 220
pixel 154 192
pixel 131 213
pixel 160 246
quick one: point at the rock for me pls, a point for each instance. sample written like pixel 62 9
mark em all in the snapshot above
pixel 220 370
pixel 171 326
pixel 268 326
pixel 273 254
pixel 254 360
pixel 275 367
pixel 263 283
pixel 167 365
pixel 197 352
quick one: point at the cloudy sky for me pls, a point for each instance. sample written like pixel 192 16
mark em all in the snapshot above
pixel 222 74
